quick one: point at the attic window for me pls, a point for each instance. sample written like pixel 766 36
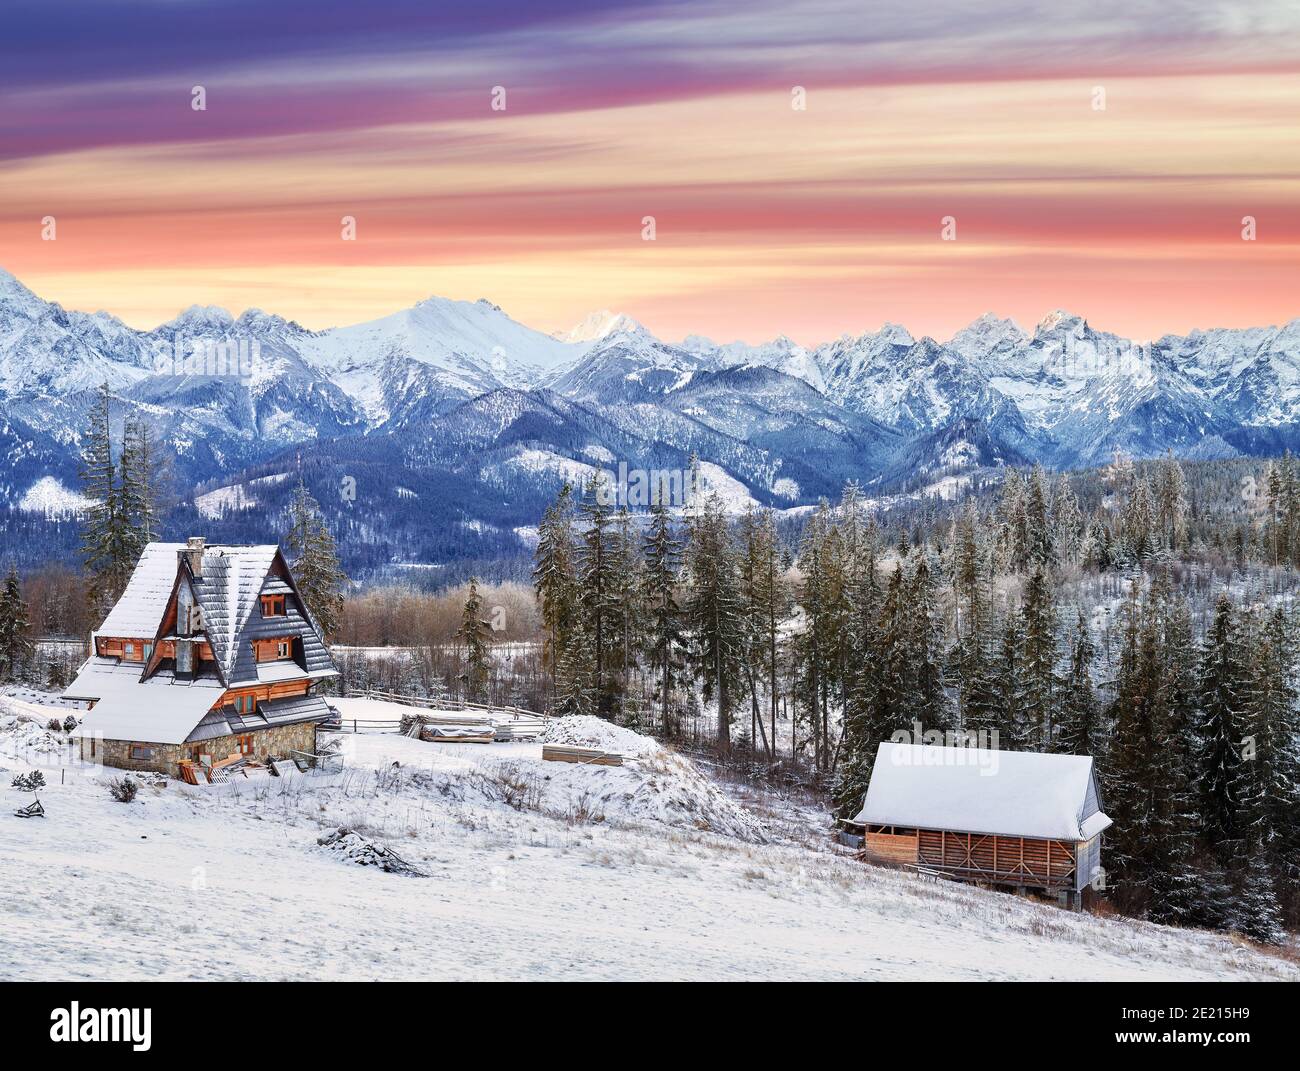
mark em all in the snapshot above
pixel 244 704
pixel 273 606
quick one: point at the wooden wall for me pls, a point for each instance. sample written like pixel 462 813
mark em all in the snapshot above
pixel 1000 860
pixel 899 849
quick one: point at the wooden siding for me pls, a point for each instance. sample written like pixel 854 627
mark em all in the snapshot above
pixel 899 849
pixel 265 650
pixel 263 692
pixel 1044 864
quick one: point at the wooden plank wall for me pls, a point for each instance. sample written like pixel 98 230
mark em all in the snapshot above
pixel 1008 860
pixel 891 848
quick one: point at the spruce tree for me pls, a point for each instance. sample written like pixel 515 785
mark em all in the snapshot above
pixel 16 647
pixel 1038 660
pixel 314 562
pixel 714 611
pixel 1081 729
pixel 475 634
pixel 666 643
pixel 108 549
pixel 555 583
pixel 1221 701
pixel 597 586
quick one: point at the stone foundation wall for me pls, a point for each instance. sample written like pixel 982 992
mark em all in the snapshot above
pixel 273 743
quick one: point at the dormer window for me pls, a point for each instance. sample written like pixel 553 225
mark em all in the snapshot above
pixel 244 704
pixel 273 606
pixel 282 649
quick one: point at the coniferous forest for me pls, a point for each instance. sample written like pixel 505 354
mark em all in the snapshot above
pixel 1127 613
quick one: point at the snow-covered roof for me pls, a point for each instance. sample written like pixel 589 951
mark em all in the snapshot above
pixel 977 790
pixel 160 710
pixel 140 609
pixel 227 592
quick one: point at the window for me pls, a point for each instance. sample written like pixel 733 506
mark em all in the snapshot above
pixel 273 606
pixel 141 751
pixel 282 649
pixel 245 745
pixel 244 704
pixel 128 652
pixel 148 651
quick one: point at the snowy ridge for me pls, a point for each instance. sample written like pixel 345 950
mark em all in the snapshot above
pixel 460 386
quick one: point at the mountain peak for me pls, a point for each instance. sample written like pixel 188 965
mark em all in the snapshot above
pixel 1059 318
pixel 13 293
pixel 987 334
pixel 601 324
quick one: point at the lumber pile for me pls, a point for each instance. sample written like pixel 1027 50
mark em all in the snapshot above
pixel 220 771
pixel 457 734
pixel 574 753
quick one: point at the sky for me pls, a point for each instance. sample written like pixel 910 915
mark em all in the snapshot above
pixel 1095 157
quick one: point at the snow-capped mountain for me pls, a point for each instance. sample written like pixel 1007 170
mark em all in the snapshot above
pixel 457 398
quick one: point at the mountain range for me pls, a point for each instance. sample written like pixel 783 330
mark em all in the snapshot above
pixel 456 424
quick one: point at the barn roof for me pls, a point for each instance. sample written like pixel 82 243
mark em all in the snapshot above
pixel 977 790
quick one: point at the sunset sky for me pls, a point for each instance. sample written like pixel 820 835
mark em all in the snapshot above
pixel 769 219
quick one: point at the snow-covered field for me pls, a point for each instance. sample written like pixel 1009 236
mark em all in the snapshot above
pixel 531 870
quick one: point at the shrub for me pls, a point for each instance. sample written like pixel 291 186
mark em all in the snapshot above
pixel 29 782
pixel 54 725
pixel 69 723
pixel 123 789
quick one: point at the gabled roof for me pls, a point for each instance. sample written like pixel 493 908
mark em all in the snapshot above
pixel 976 790
pixel 161 709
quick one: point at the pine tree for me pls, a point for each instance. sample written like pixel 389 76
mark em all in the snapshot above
pixel 142 471
pixel 1040 537
pixel 1081 730
pixel 596 586
pixel 666 644
pixel 1138 526
pixel 765 603
pixel 628 601
pixel 1221 701
pixel 814 643
pixel 556 586
pixel 1267 781
pixel 16 648
pixel 314 562
pixel 1012 723
pixel 1067 523
pixel 927 694
pixel 1171 502
pixel 714 611
pixel 108 549
pixel 1255 910
pixel 476 636
pixel 1038 660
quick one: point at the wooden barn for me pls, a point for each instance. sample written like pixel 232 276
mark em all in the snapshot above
pixel 1006 818
pixel 210 653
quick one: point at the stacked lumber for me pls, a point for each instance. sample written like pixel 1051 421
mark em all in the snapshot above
pixel 221 770
pixel 574 753
pixel 457 734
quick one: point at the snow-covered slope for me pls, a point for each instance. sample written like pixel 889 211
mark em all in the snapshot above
pixel 521 858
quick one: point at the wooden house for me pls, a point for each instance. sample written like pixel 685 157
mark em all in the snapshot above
pixel 210 651
pixel 1006 818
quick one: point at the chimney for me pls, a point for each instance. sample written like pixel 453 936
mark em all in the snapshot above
pixel 194 553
